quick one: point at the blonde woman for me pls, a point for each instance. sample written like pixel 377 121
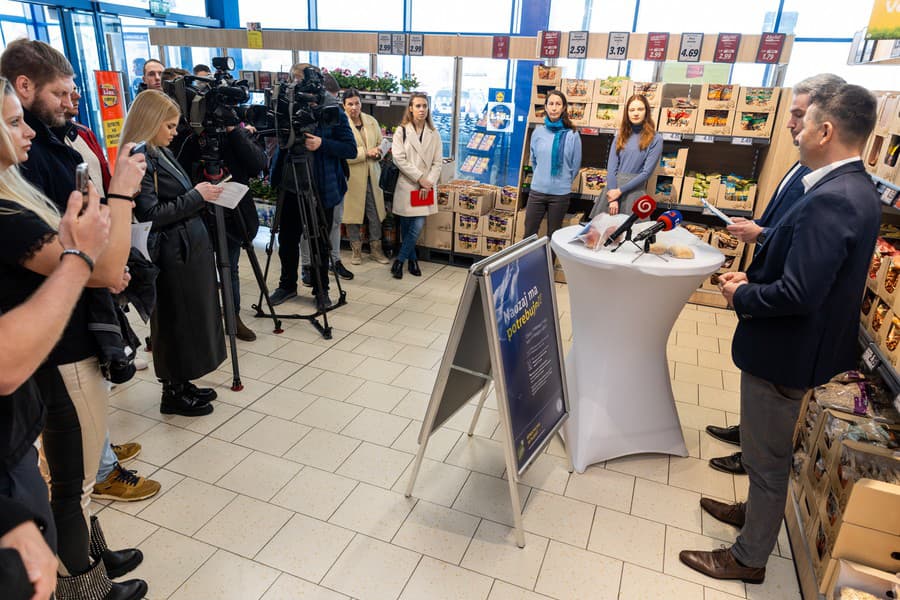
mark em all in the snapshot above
pixel 73 415
pixel 417 153
pixel 364 199
pixel 185 327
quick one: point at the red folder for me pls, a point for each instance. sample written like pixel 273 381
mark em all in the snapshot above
pixel 421 197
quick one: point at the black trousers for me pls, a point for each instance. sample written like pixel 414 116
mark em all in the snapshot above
pixel 24 484
pixel 540 204
pixel 291 228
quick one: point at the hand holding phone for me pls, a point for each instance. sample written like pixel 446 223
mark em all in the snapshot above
pixel 82 181
pixel 139 148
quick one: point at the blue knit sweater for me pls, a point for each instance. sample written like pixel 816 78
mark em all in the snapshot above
pixel 633 160
pixel 541 147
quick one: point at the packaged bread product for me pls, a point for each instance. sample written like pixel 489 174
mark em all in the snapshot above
pixel 849 593
pixel 698 230
pixel 658 248
pixel 681 251
pixel 893 334
pixel 890 280
pixel 880 311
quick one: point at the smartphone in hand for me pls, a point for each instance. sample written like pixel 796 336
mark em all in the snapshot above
pixel 82 179
pixel 139 148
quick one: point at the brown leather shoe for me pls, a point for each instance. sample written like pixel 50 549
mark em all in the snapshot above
pixel 244 333
pixel 721 564
pixel 733 514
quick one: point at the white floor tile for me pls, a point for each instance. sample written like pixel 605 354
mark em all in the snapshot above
pixel 322 449
pixel 493 552
pixel 305 547
pixel 664 504
pixel 378 396
pixel 602 487
pixel 559 518
pixel 436 482
pixel 227 577
pixel 648 466
pixel 273 435
pixel 639 583
pixel 375 464
pixel 187 506
pixel 437 531
pixel 244 526
pixel 208 460
pixel 328 414
pixel 315 493
pixel 259 476
pixel 283 402
pixel 288 587
pixel 678 540
pixel 169 559
pixel 571 574
pixel 372 570
pixel 437 580
pixel 164 442
pixel 489 497
pixel 375 426
pixel 373 511
pixel 628 538
pixel 439 445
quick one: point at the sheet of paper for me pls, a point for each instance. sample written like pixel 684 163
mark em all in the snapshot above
pixel 232 193
pixel 712 209
pixel 385 146
pixel 139 234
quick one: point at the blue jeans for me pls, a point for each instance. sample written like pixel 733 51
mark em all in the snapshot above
pixel 410 228
pixel 108 460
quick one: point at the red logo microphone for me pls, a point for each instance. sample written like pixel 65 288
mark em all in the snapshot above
pixel 644 206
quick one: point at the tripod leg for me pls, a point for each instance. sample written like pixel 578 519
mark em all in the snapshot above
pixel 227 296
pixel 247 244
pixel 270 247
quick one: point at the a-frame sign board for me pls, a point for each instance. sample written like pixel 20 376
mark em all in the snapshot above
pixel 506 331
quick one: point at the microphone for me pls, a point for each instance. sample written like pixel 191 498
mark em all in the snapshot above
pixel 667 221
pixel 643 208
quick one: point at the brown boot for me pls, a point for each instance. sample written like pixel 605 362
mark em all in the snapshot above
pixel 356 248
pixel 243 332
pixel 377 254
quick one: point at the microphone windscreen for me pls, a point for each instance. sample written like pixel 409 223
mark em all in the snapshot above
pixel 644 206
pixel 671 219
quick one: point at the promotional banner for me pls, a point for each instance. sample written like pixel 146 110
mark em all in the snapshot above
pixel 112 110
pixel 526 329
pixel 500 110
pixel 884 24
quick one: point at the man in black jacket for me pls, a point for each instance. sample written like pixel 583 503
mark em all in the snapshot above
pixel 798 310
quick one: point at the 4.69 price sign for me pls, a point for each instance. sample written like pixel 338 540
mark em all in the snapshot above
pixel 691 43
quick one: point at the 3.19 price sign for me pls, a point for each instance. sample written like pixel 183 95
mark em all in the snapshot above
pixel 691 43
pixel 617 49
pixel 578 43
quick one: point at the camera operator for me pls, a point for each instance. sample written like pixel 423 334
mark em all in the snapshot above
pixel 332 146
pixel 243 158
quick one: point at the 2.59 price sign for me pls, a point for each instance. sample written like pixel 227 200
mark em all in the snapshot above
pixel 578 43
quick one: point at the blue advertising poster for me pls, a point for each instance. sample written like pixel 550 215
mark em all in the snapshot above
pixel 529 350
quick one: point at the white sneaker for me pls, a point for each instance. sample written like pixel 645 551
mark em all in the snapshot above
pixel 140 364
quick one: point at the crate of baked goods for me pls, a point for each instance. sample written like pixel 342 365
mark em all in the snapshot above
pixel 610 90
pixel 736 193
pixel 492 245
pixel 880 320
pixel 593 180
pixel 753 124
pixel 579 113
pixel 730 265
pixel 726 242
pixel 652 91
pixel 848 580
pixel 888 280
pixel 605 116
pixel 499 224
pixel 699 230
pixel 865 309
pixel 758 99
pixel 665 188
pixel 698 187
pixel 544 75
pixel 508 200
pixel 539 93
pixel 536 112
pixel 719 96
pixel 672 163
pixel 468 243
pixel 678 118
pixel 476 200
pixel 714 121
pixel 578 90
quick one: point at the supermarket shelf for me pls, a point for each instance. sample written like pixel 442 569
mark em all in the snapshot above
pixel 884 183
pixel 878 363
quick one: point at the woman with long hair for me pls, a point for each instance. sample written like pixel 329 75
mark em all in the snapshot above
pixel 186 326
pixel 74 400
pixel 364 199
pixel 417 148
pixel 635 152
pixel 555 158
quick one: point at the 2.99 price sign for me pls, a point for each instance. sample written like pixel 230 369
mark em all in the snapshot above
pixel 691 43
pixel 617 49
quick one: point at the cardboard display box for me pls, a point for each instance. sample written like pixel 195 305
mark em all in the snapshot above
pixel 467 243
pixel 691 197
pixel 536 113
pixel 438 240
pixel 499 225
pixel 539 93
pixel 579 113
pixel 652 91
pixel 665 188
pixel 605 115
pixel 729 198
pixel 758 99
pixel 889 159
pixel 673 163
pixel 592 181
pixel 677 120
pixel 846 573
pixel 753 124
pixel 476 200
pixel 719 96
pixel 468 224
pixel 446 197
pixel 544 75
pixel 726 243
pixel 493 245
pixel 508 200
pixel 888 113
pixel 519 233
pixel 610 90
pixel 713 121
pixel 578 90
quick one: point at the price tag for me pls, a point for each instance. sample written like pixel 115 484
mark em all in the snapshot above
pixel 704 139
pixel 770 45
pixel 416 44
pixel 501 47
pixel 657 46
pixel 617 49
pixel 671 136
pixel 870 359
pixel 727 47
pixel 589 131
pixel 889 196
pixel 578 43
pixel 742 141
pixel 691 43
pixel 549 41
pixel 384 43
pixel 398 43
pixel 382 103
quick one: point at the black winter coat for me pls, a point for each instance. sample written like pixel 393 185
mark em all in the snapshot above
pixel 186 326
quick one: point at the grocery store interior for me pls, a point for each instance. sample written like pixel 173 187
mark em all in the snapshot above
pixel 294 487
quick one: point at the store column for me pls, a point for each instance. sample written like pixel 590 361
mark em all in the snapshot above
pixel 228 14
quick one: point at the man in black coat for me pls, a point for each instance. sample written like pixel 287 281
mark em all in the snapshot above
pixel 757 231
pixel 798 309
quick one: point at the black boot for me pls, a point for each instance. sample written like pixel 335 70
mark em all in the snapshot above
pixel 414 268
pixel 117 562
pixel 177 401
pixel 204 395
pixel 397 269
pixel 94 584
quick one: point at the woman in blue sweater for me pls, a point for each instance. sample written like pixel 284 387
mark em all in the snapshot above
pixel 556 158
pixel 635 152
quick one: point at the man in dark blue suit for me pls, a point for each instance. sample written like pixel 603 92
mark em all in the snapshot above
pixel 798 318
pixel 756 232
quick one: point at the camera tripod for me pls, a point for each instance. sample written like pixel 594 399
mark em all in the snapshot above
pixel 210 168
pixel 297 170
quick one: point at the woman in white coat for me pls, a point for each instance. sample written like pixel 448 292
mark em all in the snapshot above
pixel 364 199
pixel 417 153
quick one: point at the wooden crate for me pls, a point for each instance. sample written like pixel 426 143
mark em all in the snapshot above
pixel 719 96
pixel 578 90
pixel 544 75
pixel 606 116
pixel 579 113
pixel 677 120
pixel 714 121
pixel 758 99
pixel 753 124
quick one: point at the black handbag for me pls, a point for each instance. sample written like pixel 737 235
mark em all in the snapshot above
pixel 390 172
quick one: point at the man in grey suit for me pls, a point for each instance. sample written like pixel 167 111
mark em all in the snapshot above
pixel 798 319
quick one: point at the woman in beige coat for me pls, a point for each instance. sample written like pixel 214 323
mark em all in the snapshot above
pixel 364 199
pixel 417 153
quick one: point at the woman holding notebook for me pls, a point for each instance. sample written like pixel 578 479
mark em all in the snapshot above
pixel 417 153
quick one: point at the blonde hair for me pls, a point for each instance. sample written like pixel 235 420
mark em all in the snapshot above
pixel 14 187
pixel 407 116
pixel 297 71
pixel 150 109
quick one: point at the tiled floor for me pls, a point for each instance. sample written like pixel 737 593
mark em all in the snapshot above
pixel 293 488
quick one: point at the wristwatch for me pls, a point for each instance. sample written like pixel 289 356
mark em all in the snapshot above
pixel 761 238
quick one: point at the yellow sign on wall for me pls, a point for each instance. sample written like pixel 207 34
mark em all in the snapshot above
pixel 884 24
pixel 254 36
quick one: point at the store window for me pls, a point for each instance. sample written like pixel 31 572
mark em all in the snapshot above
pixel 145 4
pixel 481 154
pixel 195 8
pixel 360 15
pixel 810 58
pixel 462 16
pixel 705 16
pixel 266 60
pixel 435 75
pixel 54 32
pixel 12 9
pixel 829 18
pixel 275 14
pixel 13 30
pixel 344 60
